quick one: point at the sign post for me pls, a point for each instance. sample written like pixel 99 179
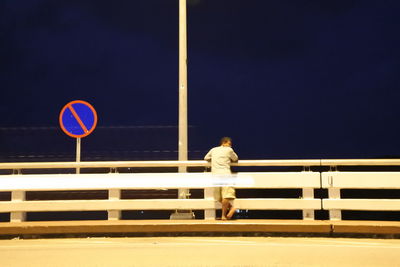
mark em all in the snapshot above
pixel 78 153
pixel 78 119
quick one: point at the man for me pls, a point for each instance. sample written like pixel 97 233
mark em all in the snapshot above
pixel 220 158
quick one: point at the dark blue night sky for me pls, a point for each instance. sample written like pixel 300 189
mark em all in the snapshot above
pixel 284 78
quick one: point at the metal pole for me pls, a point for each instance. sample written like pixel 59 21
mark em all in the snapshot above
pixel 183 121
pixel 78 153
pixel 183 134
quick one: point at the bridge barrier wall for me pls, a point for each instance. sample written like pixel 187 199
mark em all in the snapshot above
pixel 308 181
pixel 336 181
pixel 18 185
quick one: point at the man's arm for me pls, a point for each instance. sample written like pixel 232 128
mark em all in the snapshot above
pixel 208 155
pixel 233 156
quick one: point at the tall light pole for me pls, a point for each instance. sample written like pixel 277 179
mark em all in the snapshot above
pixel 183 121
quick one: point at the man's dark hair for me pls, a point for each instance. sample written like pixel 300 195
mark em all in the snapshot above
pixel 225 140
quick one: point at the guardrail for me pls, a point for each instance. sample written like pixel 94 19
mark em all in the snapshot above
pixel 335 181
pixel 199 163
pixel 158 164
pixel 306 180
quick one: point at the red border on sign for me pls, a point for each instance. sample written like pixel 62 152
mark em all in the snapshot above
pixel 69 105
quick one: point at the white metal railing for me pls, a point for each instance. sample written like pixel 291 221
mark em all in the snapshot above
pixel 160 163
pixel 199 163
pixel 333 181
pixel 114 183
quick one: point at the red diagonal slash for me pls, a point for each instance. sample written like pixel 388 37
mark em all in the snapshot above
pixel 85 130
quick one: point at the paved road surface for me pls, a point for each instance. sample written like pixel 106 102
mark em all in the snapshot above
pixel 200 251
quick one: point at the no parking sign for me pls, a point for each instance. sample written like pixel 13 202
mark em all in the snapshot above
pixel 78 119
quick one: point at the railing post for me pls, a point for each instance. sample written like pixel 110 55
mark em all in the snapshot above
pixel 17 196
pixel 114 194
pixel 334 193
pixel 209 214
pixel 308 193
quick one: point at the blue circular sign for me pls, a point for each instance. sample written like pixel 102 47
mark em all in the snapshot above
pixel 78 119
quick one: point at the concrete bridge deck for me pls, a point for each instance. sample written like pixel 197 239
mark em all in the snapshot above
pixel 200 227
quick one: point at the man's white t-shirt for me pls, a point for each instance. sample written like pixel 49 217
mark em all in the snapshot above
pixel 221 157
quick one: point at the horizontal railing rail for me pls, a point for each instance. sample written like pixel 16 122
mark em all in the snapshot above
pixel 158 163
pixel 199 163
pixel 360 162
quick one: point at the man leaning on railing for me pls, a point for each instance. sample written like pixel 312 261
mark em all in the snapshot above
pixel 220 158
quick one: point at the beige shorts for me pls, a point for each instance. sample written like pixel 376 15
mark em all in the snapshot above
pixel 224 192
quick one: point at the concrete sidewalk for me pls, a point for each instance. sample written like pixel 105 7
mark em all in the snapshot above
pixel 200 251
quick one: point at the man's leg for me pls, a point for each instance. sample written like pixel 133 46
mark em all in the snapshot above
pixel 229 195
pixel 225 207
pixel 232 210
